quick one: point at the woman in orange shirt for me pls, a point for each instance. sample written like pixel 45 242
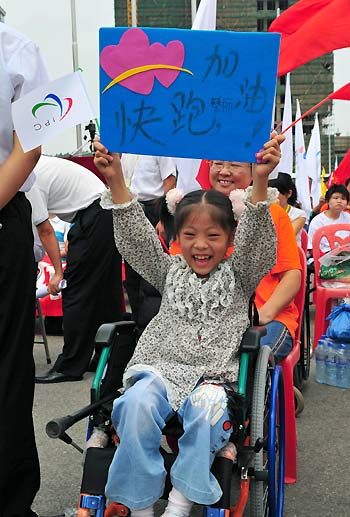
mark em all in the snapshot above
pixel 274 297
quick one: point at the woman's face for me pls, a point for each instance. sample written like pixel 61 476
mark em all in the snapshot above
pixel 227 176
pixel 283 198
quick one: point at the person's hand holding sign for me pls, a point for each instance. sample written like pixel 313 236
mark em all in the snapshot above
pixel 108 164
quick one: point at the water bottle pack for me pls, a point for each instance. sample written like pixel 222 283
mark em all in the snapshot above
pixel 333 362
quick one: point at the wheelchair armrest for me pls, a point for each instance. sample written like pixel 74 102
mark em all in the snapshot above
pixel 106 333
pixel 251 339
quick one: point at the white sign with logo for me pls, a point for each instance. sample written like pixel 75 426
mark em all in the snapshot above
pixel 50 109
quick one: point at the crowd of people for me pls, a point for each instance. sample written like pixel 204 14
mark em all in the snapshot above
pixel 218 253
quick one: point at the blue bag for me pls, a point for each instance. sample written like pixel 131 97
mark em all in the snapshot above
pixel 339 326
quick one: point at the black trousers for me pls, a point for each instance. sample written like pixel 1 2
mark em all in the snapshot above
pixel 19 464
pixel 94 287
pixel 133 281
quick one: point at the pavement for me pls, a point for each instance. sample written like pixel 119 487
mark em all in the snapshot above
pixel 322 488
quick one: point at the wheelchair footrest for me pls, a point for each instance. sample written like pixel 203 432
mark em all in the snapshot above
pixel 91 502
pixel 208 511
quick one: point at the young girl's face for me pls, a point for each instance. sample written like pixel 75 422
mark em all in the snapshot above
pixel 337 203
pixel 203 241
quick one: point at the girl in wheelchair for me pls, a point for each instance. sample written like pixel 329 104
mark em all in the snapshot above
pixel 188 352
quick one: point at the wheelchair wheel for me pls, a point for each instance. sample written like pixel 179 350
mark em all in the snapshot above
pixel 298 401
pixel 267 422
pixel 305 345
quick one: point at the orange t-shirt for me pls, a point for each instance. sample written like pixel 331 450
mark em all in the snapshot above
pixel 287 259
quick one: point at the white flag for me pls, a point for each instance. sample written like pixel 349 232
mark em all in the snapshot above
pixel 205 19
pixel 313 162
pixel 188 168
pixel 301 177
pixel 50 109
pixel 286 163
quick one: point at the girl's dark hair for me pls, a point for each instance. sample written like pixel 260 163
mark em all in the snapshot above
pixel 284 183
pixel 167 220
pixel 337 189
pixel 347 182
pixel 218 204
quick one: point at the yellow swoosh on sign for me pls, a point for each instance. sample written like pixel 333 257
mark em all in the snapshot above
pixel 140 69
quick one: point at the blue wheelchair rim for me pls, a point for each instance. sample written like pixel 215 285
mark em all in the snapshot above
pixel 276 500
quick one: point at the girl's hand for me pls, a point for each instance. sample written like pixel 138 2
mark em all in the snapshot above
pixel 108 164
pixel 268 157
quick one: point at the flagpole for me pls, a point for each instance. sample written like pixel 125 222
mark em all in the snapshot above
pixel 193 10
pixel 303 115
pixel 134 13
pixel 75 61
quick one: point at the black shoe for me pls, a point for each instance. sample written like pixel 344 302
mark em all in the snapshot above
pixel 52 376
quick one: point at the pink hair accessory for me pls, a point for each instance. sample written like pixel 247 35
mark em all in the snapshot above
pixel 236 198
pixel 173 197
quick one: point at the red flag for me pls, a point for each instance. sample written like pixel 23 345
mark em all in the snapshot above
pixel 342 173
pixel 342 93
pixel 310 29
pixel 299 13
pixel 203 175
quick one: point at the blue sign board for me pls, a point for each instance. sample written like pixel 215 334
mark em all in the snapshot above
pixel 186 93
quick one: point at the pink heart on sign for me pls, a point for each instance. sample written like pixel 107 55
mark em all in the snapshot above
pixel 134 50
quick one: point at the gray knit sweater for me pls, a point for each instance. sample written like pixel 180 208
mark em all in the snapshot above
pixel 198 329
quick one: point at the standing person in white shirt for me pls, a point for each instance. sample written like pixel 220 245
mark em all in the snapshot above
pixel 21 70
pixel 149 178
pixel 337 197
pixel 94 291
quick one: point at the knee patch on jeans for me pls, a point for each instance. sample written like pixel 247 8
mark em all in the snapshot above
pixel 212 399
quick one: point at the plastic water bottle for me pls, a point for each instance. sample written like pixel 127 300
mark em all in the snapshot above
pixel 320 361
pixel 331 364
pixel 342 367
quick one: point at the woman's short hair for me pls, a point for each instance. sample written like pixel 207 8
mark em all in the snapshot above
pixel 337 189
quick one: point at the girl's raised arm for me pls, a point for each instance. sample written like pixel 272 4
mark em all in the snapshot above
pixel 108 164
pixel 134 235
pixel 255 240
pixel 267 160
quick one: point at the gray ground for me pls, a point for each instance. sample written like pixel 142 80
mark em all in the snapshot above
pixel 323 448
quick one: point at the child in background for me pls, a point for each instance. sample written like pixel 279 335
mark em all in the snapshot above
pixel 337 197
pixel 61 229
pixel 186 359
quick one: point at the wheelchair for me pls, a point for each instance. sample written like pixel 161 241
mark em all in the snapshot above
pixel 253 483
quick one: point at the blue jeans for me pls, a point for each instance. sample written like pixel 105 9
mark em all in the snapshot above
pixel 278 339
pixel 136 476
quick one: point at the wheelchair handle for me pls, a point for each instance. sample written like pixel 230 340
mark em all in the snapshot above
pixel 56 428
